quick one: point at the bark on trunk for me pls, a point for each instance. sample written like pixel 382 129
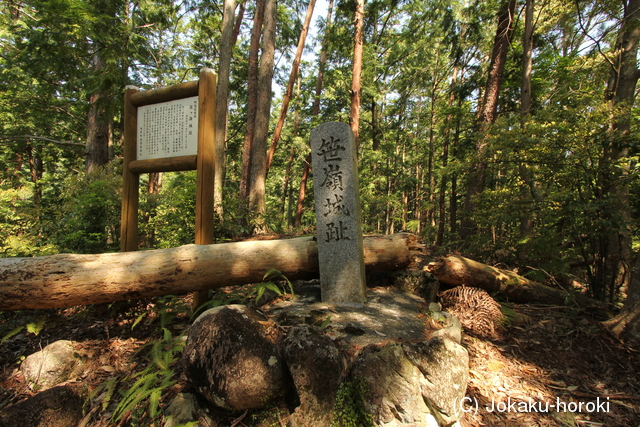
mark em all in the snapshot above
pixel 222 102
pixel 621 90
pixel 257 185
pixel 527 59
pixel 306 167
pixel 456 270
pixel 98 134
pixel 445 160
pixel 252 90
pixel 67 279
pixel 526 220
pixel 354 117
pixel 501 44
pixel 488 113
pixel 286 199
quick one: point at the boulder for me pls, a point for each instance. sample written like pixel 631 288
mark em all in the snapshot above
pixel 444 366
pixel 55 364
pixel 413 383
pixel 56 407
pixel 404 362
pixel 231 360
pixel 317 368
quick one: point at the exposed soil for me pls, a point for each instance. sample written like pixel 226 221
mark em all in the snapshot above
pixel 560 357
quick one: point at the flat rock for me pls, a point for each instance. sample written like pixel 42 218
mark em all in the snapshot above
pixel 389 314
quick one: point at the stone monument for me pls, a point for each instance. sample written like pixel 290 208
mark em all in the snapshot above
pixel 338 217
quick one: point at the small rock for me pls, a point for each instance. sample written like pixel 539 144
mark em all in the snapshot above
pixel 56 363
pixel 182 409
pixel 451 326
pixel 185 408
pixel 231 361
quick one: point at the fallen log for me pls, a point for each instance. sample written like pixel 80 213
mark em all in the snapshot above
pixel 67 280
pixel 457 270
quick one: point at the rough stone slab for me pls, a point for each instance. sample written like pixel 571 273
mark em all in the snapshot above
pixel 338 217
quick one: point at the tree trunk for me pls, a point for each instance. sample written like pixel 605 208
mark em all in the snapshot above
pixel 290 84
pixel 457 270
pixel 621 94
pixel 153 189
pixel 501 44
pixel 445 159
pixel 526 221
pixel 354 116
pixel 252 90
pixel 488 113
pixel 626 325
pixel 286 200
pixel 238 24
pixel 257 201
pixel 621 90
pixel 66 280
pixel 527 59
pixel 323 61
pixel 98 134
pixel 306 166
pixel 222 103
pixel 431 180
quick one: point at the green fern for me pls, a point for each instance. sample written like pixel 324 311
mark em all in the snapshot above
pixel 271 281
pixel 150 384
pixel 12 333
pixel 37 326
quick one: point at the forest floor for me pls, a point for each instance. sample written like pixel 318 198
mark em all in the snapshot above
pixel 561 357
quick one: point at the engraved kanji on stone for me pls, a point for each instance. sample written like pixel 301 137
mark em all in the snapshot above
pixel 338 216
pixel 330 149
pixel 332 177
pixel 336 207
pixel 336 232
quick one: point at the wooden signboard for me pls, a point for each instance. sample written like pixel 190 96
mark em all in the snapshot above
pixel 170 129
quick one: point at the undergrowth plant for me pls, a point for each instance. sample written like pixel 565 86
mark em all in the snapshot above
pixel 33 324
pixel 142 400
pixel 166 310
pixel 273 280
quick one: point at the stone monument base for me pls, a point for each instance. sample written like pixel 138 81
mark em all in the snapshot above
pixel 396 360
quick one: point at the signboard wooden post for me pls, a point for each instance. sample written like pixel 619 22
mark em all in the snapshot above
pixel 170 129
